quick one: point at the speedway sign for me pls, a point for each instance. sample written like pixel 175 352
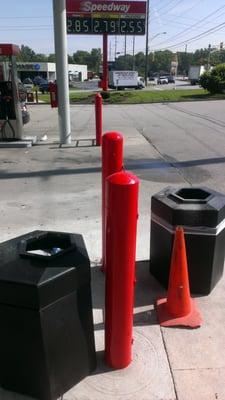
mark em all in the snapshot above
pixel 106 16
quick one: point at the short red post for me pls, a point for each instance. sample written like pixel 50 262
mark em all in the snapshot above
pixel 121 226
pixel 112 161
pixel 98 118
pixel 53 90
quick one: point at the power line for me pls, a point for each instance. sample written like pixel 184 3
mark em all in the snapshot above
pixel 169 2
pixel 27 26
pixel 194 38
pixel 30 17
pixel 175 5
pixel 192 26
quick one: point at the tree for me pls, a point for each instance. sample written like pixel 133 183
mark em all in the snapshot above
pixel 26 54
pixel 214 80
pixel 184 61
pixel 70 59
pixel 160 61
pixel 51 58
pixel 40 57
pixel 94 60
pixel 140 63
pixel 124 62
pixel 80 57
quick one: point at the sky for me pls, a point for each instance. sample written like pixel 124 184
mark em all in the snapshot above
pixel 191 23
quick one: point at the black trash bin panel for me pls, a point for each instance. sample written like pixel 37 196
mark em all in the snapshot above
pixel 201 212
pixel 47 336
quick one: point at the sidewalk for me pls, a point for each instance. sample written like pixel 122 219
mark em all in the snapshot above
pixel 52 188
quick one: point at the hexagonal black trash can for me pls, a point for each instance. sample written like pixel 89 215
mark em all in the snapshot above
pixel 201 212
pixel 46 336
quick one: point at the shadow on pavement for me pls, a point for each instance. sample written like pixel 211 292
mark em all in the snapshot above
pixel 142 164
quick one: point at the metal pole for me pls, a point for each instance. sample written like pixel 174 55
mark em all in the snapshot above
pixel 19 122
pixel 146 49
pixel 115 47
pixel 59 13
pixel 133 53
pixel 209 54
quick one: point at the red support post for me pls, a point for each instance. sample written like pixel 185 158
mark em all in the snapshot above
pixel 98 118
pixel 105 62
pixel 53 90
pixel 121 226
pixel 112 161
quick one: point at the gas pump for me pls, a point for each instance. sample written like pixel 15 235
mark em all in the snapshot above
pixel 11 126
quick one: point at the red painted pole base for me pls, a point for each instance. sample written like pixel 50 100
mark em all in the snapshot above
pixel 121 226
pixel 98 118
pixel 112 162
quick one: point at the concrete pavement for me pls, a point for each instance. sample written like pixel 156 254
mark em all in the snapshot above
pixel 47 187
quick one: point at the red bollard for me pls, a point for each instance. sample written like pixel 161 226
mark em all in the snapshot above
pixel 112 161
pixel 98 118
pixel 121 226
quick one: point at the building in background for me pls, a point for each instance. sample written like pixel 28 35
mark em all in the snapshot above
pixel 47 71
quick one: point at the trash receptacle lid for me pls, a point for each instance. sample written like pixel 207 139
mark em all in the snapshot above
pixel 190 206
pixel 40 267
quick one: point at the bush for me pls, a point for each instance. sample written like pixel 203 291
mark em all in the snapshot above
pixel 214 81
pixel 105 95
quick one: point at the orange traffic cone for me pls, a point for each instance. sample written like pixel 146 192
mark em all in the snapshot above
pixel 179 308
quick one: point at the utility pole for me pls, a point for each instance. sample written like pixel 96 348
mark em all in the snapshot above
pixel 133 53
pixel 60 36
pixel 209 54
pixel 115 47
pixel 146 49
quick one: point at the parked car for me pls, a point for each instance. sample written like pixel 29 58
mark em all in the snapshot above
pixel 43 86
pixel 170 78
pixel 28 84
pixel 38 79
pixel 162 80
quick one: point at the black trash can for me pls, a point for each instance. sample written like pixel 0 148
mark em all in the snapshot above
pixel 46 336
pixel 201 212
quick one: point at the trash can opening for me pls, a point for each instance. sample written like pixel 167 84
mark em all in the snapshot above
pixel 192 195
pixel 46 245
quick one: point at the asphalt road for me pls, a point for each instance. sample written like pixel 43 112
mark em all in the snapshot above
pixel 189 137
pixel 179 84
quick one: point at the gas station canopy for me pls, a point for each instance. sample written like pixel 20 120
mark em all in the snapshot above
pixel 9 49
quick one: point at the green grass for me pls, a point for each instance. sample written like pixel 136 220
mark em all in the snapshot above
pixel 142 96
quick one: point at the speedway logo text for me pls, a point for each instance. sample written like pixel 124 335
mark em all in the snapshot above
pixel 90 7
pixel 121 7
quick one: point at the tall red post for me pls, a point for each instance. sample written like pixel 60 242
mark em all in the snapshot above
pixel 98 118
pixel 105 62
pixel 121 226
pixel 112 161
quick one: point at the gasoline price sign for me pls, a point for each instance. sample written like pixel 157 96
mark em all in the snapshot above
pixel 106 16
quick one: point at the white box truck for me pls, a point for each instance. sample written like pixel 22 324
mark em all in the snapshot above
pixel 125 79
pixel 195 71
